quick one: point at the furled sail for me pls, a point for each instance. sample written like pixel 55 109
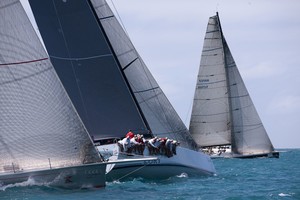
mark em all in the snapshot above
pixel 39 126
pixel 95 56
pixel 223 112
pixel 210 120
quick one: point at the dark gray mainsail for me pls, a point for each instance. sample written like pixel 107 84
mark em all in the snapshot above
pixel 39 127
pixel 93 55
pixel 223 112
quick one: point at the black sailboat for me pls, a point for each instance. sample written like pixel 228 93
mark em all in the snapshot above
pixel 108 82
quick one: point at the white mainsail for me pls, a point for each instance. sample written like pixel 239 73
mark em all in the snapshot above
pixel 210 121
pixel 39 127
pixel 223 112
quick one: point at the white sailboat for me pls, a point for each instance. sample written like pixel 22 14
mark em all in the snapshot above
pixel 42 138
pixel 224 121
pixel 110 85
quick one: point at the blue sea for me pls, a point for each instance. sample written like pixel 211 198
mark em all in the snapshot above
pixel 258 178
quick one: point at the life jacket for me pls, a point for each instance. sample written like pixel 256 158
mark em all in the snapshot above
pixel 140 140
pixel 130 134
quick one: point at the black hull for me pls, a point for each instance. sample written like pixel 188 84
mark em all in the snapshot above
pixel 274 154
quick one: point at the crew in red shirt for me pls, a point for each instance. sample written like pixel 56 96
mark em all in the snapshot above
pixel 130 134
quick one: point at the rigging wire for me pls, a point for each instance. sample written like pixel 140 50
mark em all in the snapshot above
pixel 145 165
pixel 188 112
pixel 119 17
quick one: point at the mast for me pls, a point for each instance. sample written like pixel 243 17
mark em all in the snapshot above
pixel 120 68
pixel 227 79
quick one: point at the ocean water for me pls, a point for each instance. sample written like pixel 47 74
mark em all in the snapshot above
pixel 236 179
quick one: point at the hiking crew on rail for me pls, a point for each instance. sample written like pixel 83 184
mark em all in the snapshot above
pixel 136 143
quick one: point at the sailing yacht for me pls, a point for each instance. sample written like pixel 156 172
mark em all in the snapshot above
pixel 224 121
pixel 43 141
pixel 111 87
pixel 41 136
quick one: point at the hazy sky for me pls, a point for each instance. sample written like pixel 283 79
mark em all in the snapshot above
pixel 264 39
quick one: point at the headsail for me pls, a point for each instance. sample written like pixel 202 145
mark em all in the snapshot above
pixel 224 101
pixel 95 45
pixel 247 130
pixel 39 126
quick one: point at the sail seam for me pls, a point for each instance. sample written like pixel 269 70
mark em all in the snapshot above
pixel 125 52
pixel 97 7
pixel 212 31
pixel 211 114
pixel 23 62
pixel 145 90
pixel 10 4
pixel 231 65
pixel 206 122
pixel 212 38
pixel 83 58
pixel 246 95
pixel 211 98
pixel 212 49
pixel 250 125
pixel 25 77
pixel 244 131
pixel 209 55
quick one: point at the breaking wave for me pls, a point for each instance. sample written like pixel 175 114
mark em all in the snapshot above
pixel 284 195
pixel 183 175
pixel 29 182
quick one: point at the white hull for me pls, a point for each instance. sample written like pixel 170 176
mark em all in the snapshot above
pixel 84 176
pixel 185 161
